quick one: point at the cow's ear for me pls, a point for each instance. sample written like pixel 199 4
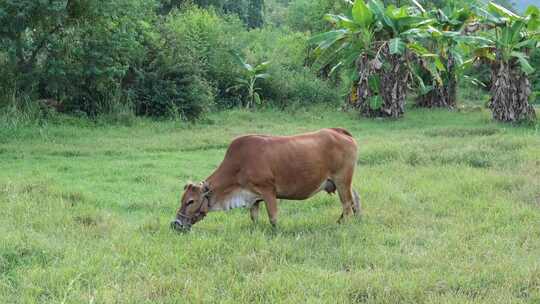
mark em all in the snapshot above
pixel 206 188
pixel 188 186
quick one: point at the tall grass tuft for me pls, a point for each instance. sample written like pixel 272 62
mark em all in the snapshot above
pixel 17 110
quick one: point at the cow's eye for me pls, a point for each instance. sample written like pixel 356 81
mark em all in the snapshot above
pixel 190 202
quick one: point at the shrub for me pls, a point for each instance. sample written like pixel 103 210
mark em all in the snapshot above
pixel 166 88
pixel 17 111
pixel 302 87
pixel 307 15
pixel 204 36
pixel 86 70
pixel 285 48
pixel 290 81
pixel 121 58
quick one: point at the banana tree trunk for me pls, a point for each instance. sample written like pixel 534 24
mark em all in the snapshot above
pixel 391 90
pixel 443 95
pixel 361 93
pixel 393 86
pixel 510 90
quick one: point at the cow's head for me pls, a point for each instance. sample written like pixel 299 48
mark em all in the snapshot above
pixel 194 206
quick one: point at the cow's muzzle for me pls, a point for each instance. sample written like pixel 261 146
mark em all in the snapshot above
pixel 178 225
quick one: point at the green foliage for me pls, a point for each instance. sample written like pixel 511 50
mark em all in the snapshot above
pixel 372 39
pixel 513 38
pixel 275 13
pixel 307 15
pixel 291 82
pixel 441 49
pixel 535 77
pixel 128 55
pixel 204 37
pixel 249 81
pixel 28 26
pixel 251 12
pixel 255 13
pixel 366 29
pixel 298 87
pixel 88 68
pixel 171 57
pixel 170 88
pixel 16 112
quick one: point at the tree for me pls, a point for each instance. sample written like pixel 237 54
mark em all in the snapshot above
pixel 28 26
pixel 508 47
pixel 255 13
pixel 373 41
pixel 251 12
pixel 438 86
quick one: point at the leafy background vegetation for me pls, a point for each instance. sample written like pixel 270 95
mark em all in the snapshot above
pixel 158 58
pixel 167 58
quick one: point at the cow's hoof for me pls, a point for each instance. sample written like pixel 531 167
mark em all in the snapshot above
pixel 344 218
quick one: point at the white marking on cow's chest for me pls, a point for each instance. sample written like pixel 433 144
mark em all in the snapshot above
pixel 238 199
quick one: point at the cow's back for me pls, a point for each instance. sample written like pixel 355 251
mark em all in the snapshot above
pixel 295 165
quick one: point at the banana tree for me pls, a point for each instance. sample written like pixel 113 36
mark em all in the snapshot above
pixel 508 47
pixel 372 41
pixel 250 76
pixel 441 61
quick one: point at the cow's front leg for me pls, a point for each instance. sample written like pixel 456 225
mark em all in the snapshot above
pixel 254 211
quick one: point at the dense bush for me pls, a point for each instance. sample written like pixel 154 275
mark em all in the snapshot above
pixel 120 55
pixel 249 11
pixel 307 15
pixel 166 57
pixel 290 81
pixel 298 87
pixel 165 87
pixel 86 69
pixel 204 36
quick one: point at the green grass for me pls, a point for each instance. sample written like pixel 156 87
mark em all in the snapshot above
pixel 451 202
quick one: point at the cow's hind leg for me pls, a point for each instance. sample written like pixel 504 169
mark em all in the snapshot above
pixel 357 207
pixel 346 196
pixel 254 211
pixel 270 199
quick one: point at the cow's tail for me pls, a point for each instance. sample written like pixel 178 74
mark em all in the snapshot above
pixel 342 131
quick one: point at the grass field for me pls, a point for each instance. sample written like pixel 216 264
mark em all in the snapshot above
pixel 451 215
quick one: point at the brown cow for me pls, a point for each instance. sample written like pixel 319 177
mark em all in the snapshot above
pixel 266 168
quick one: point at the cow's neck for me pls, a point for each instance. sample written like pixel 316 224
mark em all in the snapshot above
pixel 225 196
pixel 219 190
